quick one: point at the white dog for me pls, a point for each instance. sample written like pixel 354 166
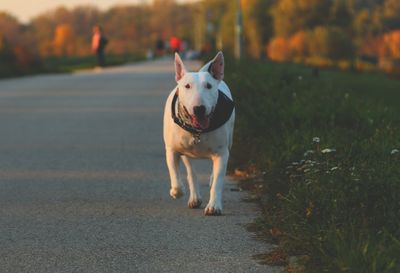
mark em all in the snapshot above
pixel 198 123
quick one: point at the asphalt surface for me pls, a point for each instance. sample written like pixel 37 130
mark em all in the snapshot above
pixel 84 185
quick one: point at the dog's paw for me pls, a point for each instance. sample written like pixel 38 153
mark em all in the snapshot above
pixel 176 193
pixel 194 203
pixel 212 210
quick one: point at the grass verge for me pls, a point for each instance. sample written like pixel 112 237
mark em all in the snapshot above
pixel 65 64
pixel 325 151
pixel 70 64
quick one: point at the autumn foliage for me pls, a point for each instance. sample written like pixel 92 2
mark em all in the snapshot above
pixel 392 44
pixel 64 40
pixel 298 45
pixel 359 34
pixel 279 50
pixel 342 33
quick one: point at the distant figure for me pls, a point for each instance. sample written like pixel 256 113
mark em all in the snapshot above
pixel 99 42
pixel 175 44
pixel 160 47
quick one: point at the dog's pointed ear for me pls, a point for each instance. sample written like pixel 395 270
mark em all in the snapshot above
pixel 180 70
pixel 215 67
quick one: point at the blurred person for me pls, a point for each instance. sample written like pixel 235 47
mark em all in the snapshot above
pixel 175 44
pixel 99 42
pixel 160 47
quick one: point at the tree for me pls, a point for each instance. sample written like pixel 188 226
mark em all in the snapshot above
pixel 341 13
pixel 7 57
pixel 391 14
pixel 331 42
pixel 257 25
pixel 298 45
pixel 278 49
pixel 10 28
pixel 64 40
pixel 392 43
pixel 219 21
pixel 290 16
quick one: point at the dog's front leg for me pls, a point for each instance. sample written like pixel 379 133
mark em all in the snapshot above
pixel 214 206
pixel 173 159
pixel 195 197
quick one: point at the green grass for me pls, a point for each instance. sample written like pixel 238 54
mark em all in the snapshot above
pixel 376 85
pixel 65 64
pixel 69 64
pixel 341 208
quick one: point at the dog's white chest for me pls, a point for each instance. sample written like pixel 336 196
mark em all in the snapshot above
pixel 196 146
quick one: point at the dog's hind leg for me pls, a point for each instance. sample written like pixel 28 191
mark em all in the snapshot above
pixel 195 197
pixel 211 180
pixel 214 206
pixel 173 159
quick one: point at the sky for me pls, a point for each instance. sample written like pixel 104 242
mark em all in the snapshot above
pixel 25 10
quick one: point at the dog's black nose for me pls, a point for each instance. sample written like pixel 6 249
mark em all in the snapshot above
pixel 199 111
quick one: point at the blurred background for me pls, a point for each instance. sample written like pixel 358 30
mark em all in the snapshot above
pixel 349 34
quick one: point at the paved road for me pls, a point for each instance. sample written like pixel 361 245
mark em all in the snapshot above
pixel 84 186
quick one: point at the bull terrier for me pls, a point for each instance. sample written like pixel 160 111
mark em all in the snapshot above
pixel 199 118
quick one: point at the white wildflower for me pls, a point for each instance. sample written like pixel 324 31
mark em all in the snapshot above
pixel 316 139
pixel 394 151
pixel 334 168
pixel 327 150
pixel 308 152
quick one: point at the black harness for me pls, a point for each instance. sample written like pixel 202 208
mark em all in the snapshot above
pixel 221 114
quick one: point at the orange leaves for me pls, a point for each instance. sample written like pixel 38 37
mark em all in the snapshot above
pixel 298 44
pixel 392 43
pixel 386 46
pixel 386 49
pixel 64 40
pixel 246 3
pixel 295 47
pixel 275 232
pixel 278 49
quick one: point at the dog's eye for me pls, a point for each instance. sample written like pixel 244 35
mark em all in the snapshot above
pixel 187 86
pixel 208 85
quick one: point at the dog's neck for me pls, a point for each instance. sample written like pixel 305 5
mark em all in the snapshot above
pixel 219 116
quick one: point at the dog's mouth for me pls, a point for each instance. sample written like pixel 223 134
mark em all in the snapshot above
pixel 200 122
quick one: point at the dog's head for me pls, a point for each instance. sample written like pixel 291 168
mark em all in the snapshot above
pixel 198 91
